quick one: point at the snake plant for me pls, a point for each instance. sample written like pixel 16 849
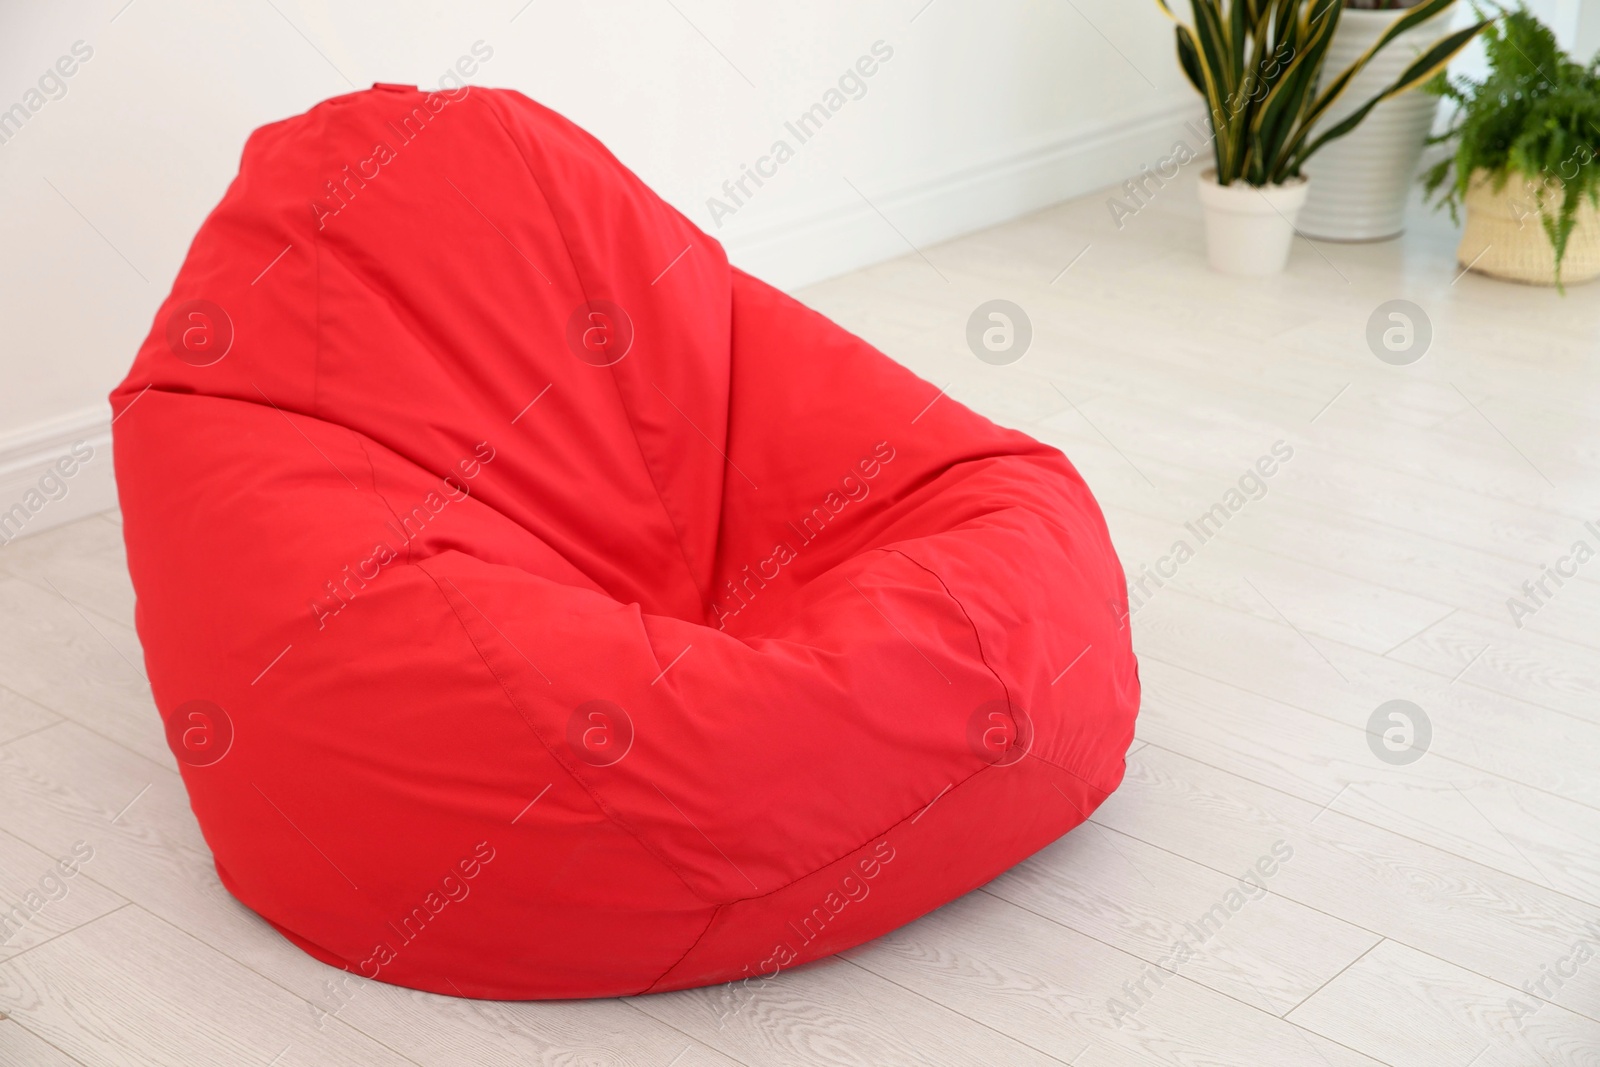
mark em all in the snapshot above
pixel 1258 64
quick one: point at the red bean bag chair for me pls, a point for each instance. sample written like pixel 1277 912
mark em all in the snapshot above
pixel 539 607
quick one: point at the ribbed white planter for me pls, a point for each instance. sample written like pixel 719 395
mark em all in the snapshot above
pixel 1363 178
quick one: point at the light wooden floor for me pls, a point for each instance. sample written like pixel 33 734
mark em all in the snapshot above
pixel 1418 904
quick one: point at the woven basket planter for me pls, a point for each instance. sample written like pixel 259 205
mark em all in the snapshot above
pixel 1504 237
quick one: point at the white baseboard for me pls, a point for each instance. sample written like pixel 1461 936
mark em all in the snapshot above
pixel 36 493
pixel 800 250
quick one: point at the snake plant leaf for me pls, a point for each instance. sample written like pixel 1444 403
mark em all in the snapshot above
pixel 1211 36
pixel 1280 114
pixel 1211 31
pixel 1286 17
pixel 1414 17
pixel 1424 67
pixel 1237 29
pixel 1258 43
pixel 1189 59
pixel 1260 76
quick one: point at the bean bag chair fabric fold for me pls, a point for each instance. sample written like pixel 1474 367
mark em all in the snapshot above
pixel 538 607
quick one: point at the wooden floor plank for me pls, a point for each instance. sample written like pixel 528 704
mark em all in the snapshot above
pixel 21 1047
pixel 1401 1006
pixel 82 559
pixel 839 1013
pixel 20 716
pixel 78 665
pixel 1078 999
pixel 1470 726
pixel 1477 917
pixel 44 895
pixel 194 1005
pixel 1146 901
pixel 1469 811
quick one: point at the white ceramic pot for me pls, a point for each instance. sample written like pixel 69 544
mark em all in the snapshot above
pixel 1364 177
pixel 1249 228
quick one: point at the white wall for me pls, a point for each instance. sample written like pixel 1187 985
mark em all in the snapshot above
pixel 1576 24
pixel 986 111
pixel 1586 29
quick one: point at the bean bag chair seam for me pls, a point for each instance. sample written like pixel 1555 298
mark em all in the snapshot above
pixel 712 921
pixel 912 488
pixel 951 791
pixel 622 403
pixel 871 837
pixel 1069 771
pixel 976 636
pixel 598 801
pixel 363 438
pixel 982 656
pixel 857 847
pixel 359 276
pixel 317 240
pixel 979 640
pixel 820 867
pixel 372 471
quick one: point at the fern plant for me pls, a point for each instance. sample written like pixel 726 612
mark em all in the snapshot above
pixel 1258 64
pixel 1536 114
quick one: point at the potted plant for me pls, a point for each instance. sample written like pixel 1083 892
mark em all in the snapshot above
pixel 1526 140
pixel 1259 66
pixel 1361 181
